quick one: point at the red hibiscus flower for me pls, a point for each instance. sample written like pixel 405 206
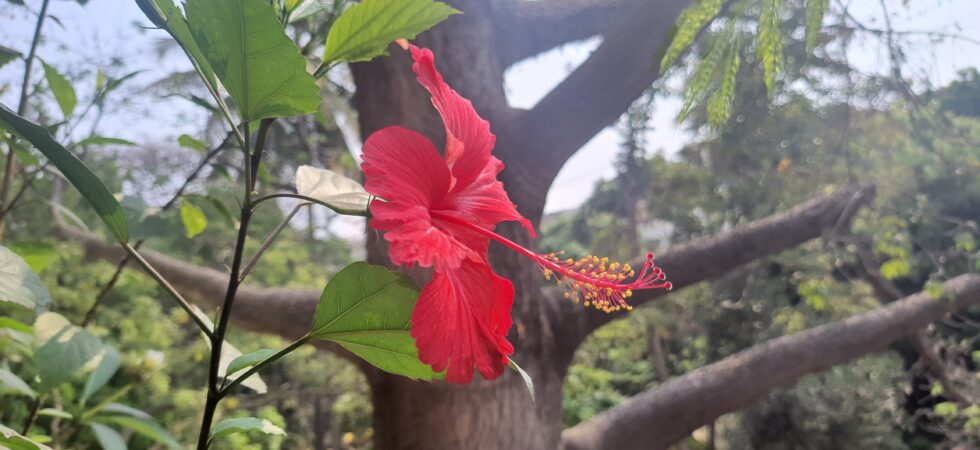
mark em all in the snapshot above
pixel 440 212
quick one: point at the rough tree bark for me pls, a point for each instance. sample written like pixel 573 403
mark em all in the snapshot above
pixel 473 50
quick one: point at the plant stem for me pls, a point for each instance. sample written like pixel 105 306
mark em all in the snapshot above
pixel 90 314
pixel 32 417
pixel 342 211
pixel 170 289
pixel 8 174
pixel 265 362
pixel 268 241
pixel 234 281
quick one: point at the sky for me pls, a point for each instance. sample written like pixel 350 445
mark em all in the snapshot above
pixel 90 37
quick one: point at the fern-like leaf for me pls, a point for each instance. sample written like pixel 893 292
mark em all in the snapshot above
pixel 689 24
pixel 815 10
pixel 770 48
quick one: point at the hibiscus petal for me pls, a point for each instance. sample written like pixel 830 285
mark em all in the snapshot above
pixel 484 200
pixel 468 136
pixel 414 239
pixel 461 322
pixel 402 165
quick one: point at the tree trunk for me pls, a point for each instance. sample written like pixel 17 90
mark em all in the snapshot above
pixel 498 414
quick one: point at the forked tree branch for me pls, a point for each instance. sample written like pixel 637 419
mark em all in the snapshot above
pixel 526 28
pixel 707 258
pixel 661 416
pixel 595 94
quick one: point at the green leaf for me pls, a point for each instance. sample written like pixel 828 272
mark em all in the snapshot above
pixel 189 142
pixel 946 410
pixel 248 360
pixel 8 54
pixel 108 438
pixel 36 254
pixel 332 189
pixel 102 140
pixel 65 350
pixel 12 440
pixel 146 427
pixel 63 92
pixel 367 309
pixel 166 15
pixel 700 81
pixel 720 103
pixel 119 408
pixel 894 268
pixel 815 10
pixel 54 412
pixel 244 424
pixel 689 24
pixel 73 169
pixel 365 29
pixel 193 218
pixel 228 354
pixel 259 66
pixel 936 290
pixel 102 374
pixel 770 49
pixel 528 382
pixel 11 383
pixel 19 284
pixel 964 241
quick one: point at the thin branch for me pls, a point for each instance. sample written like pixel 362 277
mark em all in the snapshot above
pixel 265 362
pixel 707 258
pixel 152 271
pixel 269 240
pixel 8 174
pixel 661 416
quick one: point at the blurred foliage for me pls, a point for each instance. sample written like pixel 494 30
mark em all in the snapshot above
pixel 921 230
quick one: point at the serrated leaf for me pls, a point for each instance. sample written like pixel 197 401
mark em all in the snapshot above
pixel 36 254
pixel 367 309
pixel 690 22
pixel 333 189
pixel 63 92
pixel 11 383
pixel 365 29
pixel 73 169
pixel 19 284
pixel 770 47
pixel 528 382
pixel 8 54
pixel 189 142
pixel 699 83
pixel 247 360
pixel 102 374
pixel 193 219
pixel 102 140
pixel 107 437
pixel 244 424
pixel 720 103
pixel 146 427
pixel 815 10
pixel 65 350
pixel 12 440
pixel 259 66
